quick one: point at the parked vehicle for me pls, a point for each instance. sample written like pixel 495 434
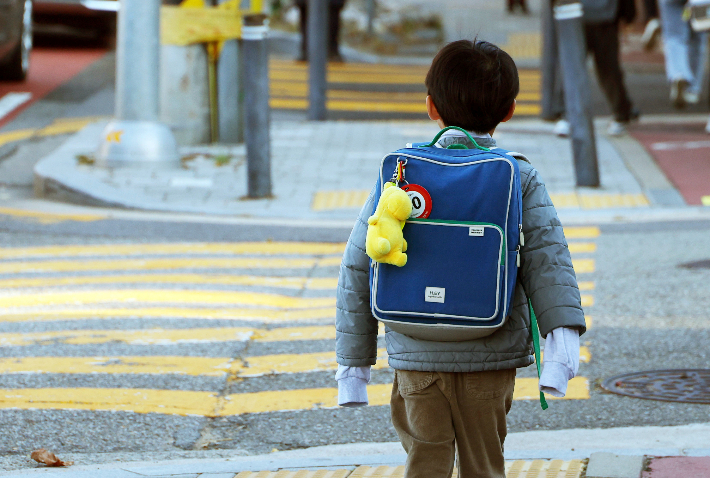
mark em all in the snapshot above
pixel 96 16
pixel 15 39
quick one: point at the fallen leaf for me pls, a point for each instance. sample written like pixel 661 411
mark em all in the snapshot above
pixel 48 458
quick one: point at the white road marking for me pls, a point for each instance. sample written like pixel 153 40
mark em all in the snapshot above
pixel 675 145
pixel 11 101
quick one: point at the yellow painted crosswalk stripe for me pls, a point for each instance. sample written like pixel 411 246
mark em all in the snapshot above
pixel 582 247
pixel 315 283
pixel 582 232
pixel 36 267
pixel 252 366
pixel 161 365
pixel 586 285
pixel 168 249
pixel 252 314
pixel 161 296
pixel 167 402
pixel 175 402
pixel 587 300
pixel 48 217
pixel 146 336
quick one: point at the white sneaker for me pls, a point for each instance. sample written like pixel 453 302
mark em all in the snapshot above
pixel 691 98
pixel 561 128
pixel 678 91
pixel 616 128
pixel 651 34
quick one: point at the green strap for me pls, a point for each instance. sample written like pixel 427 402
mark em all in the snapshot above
pixel 536 345
pixel 438 135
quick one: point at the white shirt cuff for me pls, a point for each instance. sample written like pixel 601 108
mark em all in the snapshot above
pixel 352 385
pixel 352 392
pixel 560 361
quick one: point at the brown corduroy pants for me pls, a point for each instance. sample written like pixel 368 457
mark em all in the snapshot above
pixel 437 414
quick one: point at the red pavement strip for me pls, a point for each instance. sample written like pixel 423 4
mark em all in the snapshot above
pixel 49 68
pixel 678 467
pixel 683 153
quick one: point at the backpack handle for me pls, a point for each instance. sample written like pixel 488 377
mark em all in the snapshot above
pixel 438 135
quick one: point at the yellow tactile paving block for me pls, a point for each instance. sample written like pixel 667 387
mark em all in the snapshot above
pixel 330 200
pixel 573 200
pixel 295 474
pixel 524 45
pixel 513 469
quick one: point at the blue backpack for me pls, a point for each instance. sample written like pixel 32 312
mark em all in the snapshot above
pixel 463 242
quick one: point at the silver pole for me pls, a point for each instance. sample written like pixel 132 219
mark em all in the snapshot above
pixel 571 46
pixel 135 137
pixel 552 105
pixel 370 16
pixel 317 58
pixel 256 105
pixel 229 93
pixel 137 60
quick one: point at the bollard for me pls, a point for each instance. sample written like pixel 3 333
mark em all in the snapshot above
pixel 256 105
pixel 573 63
pixel 552 105
pixel 230 92
pixel 370 17
pixel 317 58
pixel 136 137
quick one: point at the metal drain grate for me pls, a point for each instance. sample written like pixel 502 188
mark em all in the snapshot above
pixel 687 386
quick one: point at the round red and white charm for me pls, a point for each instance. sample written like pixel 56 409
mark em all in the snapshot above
pixel 421 201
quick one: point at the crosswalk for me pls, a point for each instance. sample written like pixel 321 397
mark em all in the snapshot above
pixel 134 310
pixel 376 91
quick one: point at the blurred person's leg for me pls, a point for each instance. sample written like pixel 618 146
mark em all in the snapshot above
pixel 334 9
pixel 651 7
pixel 652 31
pixel 303 23
pixel 603 43
pixel 697 48
pixel 676 40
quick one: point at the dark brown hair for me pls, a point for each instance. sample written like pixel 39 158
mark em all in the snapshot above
pixel 472 84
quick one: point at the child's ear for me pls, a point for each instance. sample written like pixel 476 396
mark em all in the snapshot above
pixel 431 109
pixel 510 113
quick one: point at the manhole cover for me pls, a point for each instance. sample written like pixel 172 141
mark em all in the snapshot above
pixel 689 386
pixel 696 265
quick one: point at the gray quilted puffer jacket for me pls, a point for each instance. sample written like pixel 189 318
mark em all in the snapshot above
pixel 546 276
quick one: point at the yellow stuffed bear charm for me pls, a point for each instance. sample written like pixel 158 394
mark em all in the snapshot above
pixel 385 242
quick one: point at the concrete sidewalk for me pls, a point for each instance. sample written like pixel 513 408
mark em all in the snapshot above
pixel 612 453
pixel 322 172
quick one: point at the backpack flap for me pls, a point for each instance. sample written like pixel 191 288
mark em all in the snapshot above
pixel 458 280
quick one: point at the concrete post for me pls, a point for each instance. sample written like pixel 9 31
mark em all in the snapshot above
pixel 256 105
pixel 230 93
pixel 573 62
pixel 136 138
pixel 137 60
pixel 317 58
pixel 370 16
pixel 552 104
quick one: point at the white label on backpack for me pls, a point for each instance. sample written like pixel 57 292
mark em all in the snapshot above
pixel 434 294
pixel 476 231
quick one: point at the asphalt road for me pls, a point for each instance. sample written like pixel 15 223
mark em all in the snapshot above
pixel 142 324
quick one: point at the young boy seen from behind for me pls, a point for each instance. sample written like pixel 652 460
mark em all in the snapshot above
pixel 454 396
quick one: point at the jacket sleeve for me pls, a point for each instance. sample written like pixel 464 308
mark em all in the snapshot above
pixel 546 266
pixel 355 326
